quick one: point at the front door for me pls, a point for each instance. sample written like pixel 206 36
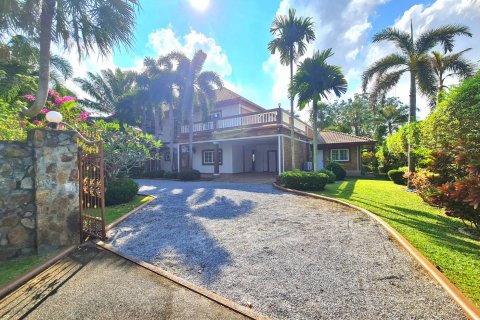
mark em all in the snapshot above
pixel 272 161
pixel 320 159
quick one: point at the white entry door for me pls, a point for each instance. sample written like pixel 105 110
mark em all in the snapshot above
pixel 320 159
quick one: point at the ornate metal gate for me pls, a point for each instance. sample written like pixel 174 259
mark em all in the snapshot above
pixel 92 190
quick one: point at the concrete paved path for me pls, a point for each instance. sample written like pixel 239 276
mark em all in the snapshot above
pixel 96 284
pixel 291 257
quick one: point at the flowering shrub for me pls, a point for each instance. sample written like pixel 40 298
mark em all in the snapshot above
pixel 66 105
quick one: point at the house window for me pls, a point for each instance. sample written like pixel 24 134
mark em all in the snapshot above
pixel 340 155
pixel 208 157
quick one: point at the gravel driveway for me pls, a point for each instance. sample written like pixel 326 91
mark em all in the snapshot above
pixel 291 257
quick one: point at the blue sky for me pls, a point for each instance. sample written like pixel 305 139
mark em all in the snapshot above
pixel 235 35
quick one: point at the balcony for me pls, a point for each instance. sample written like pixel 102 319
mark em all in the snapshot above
pixel 277 118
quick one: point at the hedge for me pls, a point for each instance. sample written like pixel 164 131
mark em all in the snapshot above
pixel 397 176
pixel 302 180
pixel 120 190
pixel 331 175
pixel 189 175
pixel 338 169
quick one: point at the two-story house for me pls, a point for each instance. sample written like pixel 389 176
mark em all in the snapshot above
pixel 241 136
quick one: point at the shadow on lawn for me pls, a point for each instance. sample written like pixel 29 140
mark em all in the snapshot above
pixel 346 191
pixel 441 228
pixel 168 231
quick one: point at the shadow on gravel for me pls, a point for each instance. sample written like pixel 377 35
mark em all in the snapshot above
pixel 183 242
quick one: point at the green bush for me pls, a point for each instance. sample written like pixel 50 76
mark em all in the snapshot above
pixel 154 174
pixel 170 175
pixel 189 175
pixel 338 169
pixel 302 180
pixel 120 190
pixel 331 175
pixel 397 176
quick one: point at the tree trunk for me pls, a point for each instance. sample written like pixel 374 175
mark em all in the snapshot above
pixel 156 121
pixel 412 116
pixel 46 19
pixel 389 128
pixel 439 89
pixel 292 119
pixel 315 142
pixel 190 138
pixel 171 122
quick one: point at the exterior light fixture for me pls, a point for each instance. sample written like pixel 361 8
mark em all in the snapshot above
pixel 54 117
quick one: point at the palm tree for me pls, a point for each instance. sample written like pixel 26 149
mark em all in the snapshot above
pixel 292 34
pixel 315 79
pixel 413 58
pixel 198 90
pixel 174 66
pixel 88 25
pixel 448 65
pixel 393 115
pixel 107 87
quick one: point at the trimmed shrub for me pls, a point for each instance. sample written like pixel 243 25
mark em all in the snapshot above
pixel 302 180
pixel 331 176
pixel 154 174
pixel 170 175
pixel 397 176
pixel 338 169
pixel 189 175
pixel 120 190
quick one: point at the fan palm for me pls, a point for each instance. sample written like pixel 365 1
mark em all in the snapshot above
pixel 448 65
pixel 412 58
pixel 292 36
pixel 314 80
pixel 198 90
pixel 88 25
pixel 107 87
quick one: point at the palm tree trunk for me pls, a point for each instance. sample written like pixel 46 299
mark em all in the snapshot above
pixel 190 138
pixel 389 128
pixel 156 121
pixel 292 121
pixel 171 122
pixel 440 88
pixel 412 116
pixel 315 142
pixel 46 19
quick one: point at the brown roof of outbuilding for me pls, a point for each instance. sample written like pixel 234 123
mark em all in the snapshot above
pixel 332 137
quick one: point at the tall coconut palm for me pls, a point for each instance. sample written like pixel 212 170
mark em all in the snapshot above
pixel 447 65
pixel 107 87
pixel 292 34
pixel 198 90
pixel 314 80
pixel 87 25
pixel 412 58
pixel 175 66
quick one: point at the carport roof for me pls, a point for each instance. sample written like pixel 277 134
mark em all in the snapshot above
pixel 332 137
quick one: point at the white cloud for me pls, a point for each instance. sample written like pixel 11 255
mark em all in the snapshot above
pixel 163 41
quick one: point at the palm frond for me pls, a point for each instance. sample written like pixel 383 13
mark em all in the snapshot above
pixel 443 35
pixel 381 66
pixel 400 38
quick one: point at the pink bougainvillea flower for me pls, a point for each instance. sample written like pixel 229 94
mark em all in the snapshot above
pixel 53 93
pixel 84 115
pixel 36 122
pixel 45 110
pixel 29 97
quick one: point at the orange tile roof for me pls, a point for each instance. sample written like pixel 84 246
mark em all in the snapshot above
pixel 332 137
pixel 225 94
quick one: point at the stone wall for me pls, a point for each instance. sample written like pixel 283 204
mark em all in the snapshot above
pixel 17 206
pixel 301 153
pixel 39 203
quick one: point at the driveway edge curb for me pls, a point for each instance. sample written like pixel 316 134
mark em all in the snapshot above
pixel 188 285
pixel 470 309
pixel 128 214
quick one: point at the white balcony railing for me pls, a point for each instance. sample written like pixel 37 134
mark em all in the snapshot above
pixel 245 120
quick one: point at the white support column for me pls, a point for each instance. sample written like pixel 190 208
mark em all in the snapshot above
pixel 178 157
pixel 283 154
pixel 278 155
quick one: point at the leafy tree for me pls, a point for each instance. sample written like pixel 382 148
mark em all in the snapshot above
pixel 393 115
pixel 88 25
pixel 198 90
pixel 412 58
pixel 316 79
pixel 448 65
pixel 292 34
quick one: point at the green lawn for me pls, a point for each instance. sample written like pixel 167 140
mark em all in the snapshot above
pixel 112 213
pixel 435 235
pixel 14 268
